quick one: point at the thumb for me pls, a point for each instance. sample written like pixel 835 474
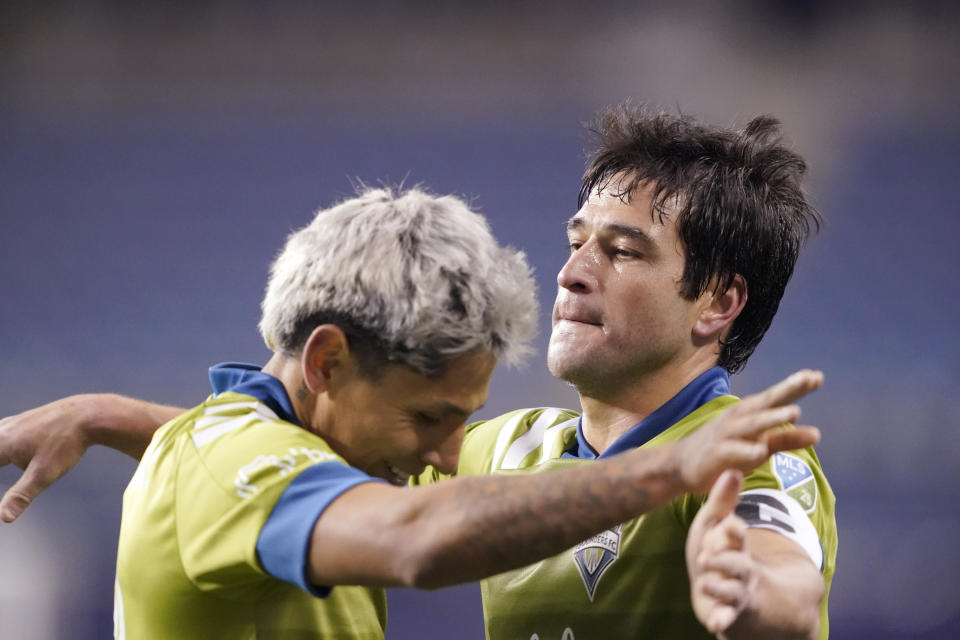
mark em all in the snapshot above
pixel 20 495
pixel 723 497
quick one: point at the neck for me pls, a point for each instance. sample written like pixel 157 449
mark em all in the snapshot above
pixel 607 416
pixel 289 372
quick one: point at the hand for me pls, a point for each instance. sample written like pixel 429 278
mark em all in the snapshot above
pixel 723 573
pixel 746 434
pixel 45 442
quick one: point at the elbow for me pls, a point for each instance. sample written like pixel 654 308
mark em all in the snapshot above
pixel 425 580
pixel 792 614
pixel 818 592
pixel 423 572
pixel 807 622
pixel 810 618
pixel 428 564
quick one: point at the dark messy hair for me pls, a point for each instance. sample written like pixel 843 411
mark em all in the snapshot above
pixel 740 206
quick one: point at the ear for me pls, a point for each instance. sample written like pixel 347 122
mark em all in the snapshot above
pixel 720 310
pixel 325 353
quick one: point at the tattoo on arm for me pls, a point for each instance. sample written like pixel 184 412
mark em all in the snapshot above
pixel 522 521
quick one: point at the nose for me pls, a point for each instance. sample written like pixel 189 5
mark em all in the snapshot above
pixel 577 274
pixel 444 454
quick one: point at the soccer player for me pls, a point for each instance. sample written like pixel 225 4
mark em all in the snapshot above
pixel 679 255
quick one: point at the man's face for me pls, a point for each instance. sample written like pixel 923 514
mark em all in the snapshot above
pixel 619 314
pixel 393 425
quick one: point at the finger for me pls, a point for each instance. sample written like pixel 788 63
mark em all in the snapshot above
pixel 788 390
pixel 728 534
pixel 720 502
pixel 4 454
pixel 789 439
pixel 735 564
pixel 744 456
pixel 722 499
pixel 754 423
pixel 21 494
pixel 720 618
pixel 724 590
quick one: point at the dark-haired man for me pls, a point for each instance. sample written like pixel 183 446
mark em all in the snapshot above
pixel 679 255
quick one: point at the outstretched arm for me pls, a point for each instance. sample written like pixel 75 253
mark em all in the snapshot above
pixel 468 528
pixel 749 583
pixel 47 441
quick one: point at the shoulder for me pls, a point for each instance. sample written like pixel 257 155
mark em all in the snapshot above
pixel 693 420
pixel 243 445
pixel 799 475
pixel 505 441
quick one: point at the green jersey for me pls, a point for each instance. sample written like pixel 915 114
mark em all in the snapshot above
pixel 631 581
pixel 209 547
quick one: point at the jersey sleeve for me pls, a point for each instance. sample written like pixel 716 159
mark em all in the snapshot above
pixel 284 542
pixel 787 485
pixel 247 501
pixel 788 494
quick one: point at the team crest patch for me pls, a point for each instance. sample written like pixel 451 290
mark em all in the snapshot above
pixel 595 555
pixel 796 479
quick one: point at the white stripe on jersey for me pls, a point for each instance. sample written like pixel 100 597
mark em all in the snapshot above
pixel 119 625
pixel 219 409
pixel 776 511
pixel 503 439
pixel 530 441
pixel 555 436
pixel 213 424
pixel 224 426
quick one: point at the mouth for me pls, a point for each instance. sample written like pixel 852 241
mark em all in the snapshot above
pixel 578 321
pixel 396 477
pixel 577 314
pixel 578 318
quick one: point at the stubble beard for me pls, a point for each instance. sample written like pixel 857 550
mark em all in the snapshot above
pixel 586 370
pixel 602 371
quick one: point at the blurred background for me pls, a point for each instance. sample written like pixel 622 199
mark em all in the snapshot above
pixel 154 157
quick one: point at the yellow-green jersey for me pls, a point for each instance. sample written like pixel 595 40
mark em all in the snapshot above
pixel 217 521
pixel 631 581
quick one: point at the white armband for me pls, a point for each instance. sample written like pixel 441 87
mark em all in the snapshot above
pixel 776 511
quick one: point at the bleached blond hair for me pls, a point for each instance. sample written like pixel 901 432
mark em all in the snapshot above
pixel 410 277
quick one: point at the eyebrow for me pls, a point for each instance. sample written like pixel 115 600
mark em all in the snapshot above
pixel 633 233
pixel 446 408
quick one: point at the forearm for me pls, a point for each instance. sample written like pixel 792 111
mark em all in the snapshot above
pixel 469 528
pixel 488 525
pixel 47 441
pixel 121 423
pixel 785 603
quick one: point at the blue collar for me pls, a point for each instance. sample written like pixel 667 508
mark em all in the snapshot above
pixel 710 384
pixel 249 380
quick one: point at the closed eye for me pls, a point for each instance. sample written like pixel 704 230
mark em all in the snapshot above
pixel 426 418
